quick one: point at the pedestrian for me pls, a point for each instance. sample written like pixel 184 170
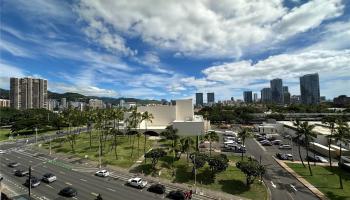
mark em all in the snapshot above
pixel 190 196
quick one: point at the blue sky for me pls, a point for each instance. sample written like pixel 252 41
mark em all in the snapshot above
pixel 172 49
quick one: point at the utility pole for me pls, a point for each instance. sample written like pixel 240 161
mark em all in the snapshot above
pixel 99 153
pixel 195 174
pixel 30 181
pixel 36 135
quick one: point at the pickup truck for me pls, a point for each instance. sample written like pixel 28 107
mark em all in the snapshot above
pixel 137 182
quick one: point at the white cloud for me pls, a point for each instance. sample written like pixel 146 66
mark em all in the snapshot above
pixel 15 49
pixel 202 28
pixel 7 71
pixel 85 90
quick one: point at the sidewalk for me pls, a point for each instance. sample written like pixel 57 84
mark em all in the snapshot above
pixel 123 173
pixel 312 188
pixel 312 163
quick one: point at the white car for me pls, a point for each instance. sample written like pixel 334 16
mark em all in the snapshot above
pixel 321 159
pixel 285 146
pixel 102 173
pixel 49 178
pixel 2 151
pixel 137 182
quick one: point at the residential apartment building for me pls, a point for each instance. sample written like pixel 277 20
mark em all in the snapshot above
pixel 27 93
pixel 4 103
pixel 276 91
pixel 199 99
pixel 210 98
pixel 248 96
pixel 266 95
pixel 310 89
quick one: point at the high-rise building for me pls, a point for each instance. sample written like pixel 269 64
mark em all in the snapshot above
pixel 27 93
pixel 248 97
pixel 310 89
pixel 342 100
pixel 52 104
pixel 286 95
pixel 4 103
pixel 199 99
pixel 276 91
pixel 210 98
pixel 295 99
pixel 255 97
pixel 96 103
pixel 266 95
pixel 64 103
pixel 285 89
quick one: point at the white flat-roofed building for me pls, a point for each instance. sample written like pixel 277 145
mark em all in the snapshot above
pixel 4 103
pixel 181 116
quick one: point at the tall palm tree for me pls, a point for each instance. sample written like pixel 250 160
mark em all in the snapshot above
pixel 170 133
pixel 244 134
pixel 211 136
pixel 117 116
pixel 147 117
pixel 134 121
pixel 341 134
pixel 306 130
pixel 330 122
pixel 299 134
pixel 186 145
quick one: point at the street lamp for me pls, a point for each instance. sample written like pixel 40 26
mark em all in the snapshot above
pixel 36 135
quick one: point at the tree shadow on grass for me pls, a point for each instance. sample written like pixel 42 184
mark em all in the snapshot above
pixel 233 186
pixel 146 169
pixel 206 177
pixel 333 196
pixel 167 159
pixel 63 150
pixel 182 174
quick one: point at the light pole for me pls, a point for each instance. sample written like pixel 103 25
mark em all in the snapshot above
pixel 36 135
pixel 195 174
pixel 99 153
pixel 30 181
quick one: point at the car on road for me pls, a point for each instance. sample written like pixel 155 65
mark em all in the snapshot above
pixel 266 143
pixel 284 156
pixel 21 172
pixel 285 146
pixel 49 178
pixel 102 173
pixel 287 136
pixel 276 142
pixel 13 164
pixel 177 194
pixel 2 151
pixel 137 182
pixel 261 138
pixel 68 192
pixel 33 181
pixel 241 149
pixel 316 159
pixel 157 188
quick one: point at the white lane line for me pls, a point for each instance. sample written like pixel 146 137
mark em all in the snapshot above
pixel 293 187
pixel 75 198
pixel 83 180
pixel 49 186
pixel 62 172
pixel 30 161
pixel 273 185
pixel 93 193
pixel 111 189
pixel 18 157
pixel 68 183
pixel 263 148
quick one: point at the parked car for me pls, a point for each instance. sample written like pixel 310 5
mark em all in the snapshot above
pixel 34 182
pixel 267 143
pixel 13 164
pixel 261 138
pixel 102 173
pixel 283 156
pixel 2 151
pixel 21 172
pixel 287 136
pixel 49 178
pixel 68 192
pixel 137 182
pixel 271 138
pixel 241 149
pixel 285 146
pixel 316 159
pixel 276 142
pixel 157 188
pixel 178 195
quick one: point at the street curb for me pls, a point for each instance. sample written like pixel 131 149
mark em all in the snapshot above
pixel 269 195
pixel 308 185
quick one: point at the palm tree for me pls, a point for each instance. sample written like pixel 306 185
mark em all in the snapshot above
pixel 306 130
pixel 147 117
pixel 186 145
pixel 211 136
pixel 170 133
pixel 89 116
pixel 134 121
pixel 298 137
pixel 117 115
pixel 330 122
pixel 244 134
pixel 341 134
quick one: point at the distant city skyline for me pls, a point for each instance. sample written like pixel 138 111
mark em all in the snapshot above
pixel 86 47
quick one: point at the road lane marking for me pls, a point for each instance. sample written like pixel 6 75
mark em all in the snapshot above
pixel 293 187
pixel 49 186
pixel 30 161
pixel 111 189
pixel 83 180
pixel 18 157
pixel 68 183
pixel 273 185
pixel 62 172
pixel 93 193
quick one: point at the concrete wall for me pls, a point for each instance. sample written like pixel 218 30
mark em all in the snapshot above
pixel 184 109
pixel 189 128
pixel 163 115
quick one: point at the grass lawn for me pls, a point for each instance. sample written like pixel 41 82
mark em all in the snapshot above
pixel 326 179
pixel 124 149
pixel 231 181
pixel 4 134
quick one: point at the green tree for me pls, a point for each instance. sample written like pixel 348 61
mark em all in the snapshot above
pixel 186 145
pixel 133 123
pixel 305 129
pixel 147 117
pixel 117 116
pixel 155 155
pixel 251 169
pixel 211 136
pixel 218 163
pixel 329 121
pixel 341 134
pixel 244 134
pixel 198 160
